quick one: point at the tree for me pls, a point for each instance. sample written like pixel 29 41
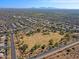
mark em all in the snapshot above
pixel 35 47
pixel 30 33
pixel 56 45
pixel 23 47
pixel 50 42
pixel 75 36
pixel 38 30
pixel 67 35
pixel 43 46
pixel 61 32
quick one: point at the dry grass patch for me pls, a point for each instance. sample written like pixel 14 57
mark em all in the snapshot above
pixel 39 38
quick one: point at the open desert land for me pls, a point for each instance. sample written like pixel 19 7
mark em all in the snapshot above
pixel 69 53
pixel 36 39
pixel 40 39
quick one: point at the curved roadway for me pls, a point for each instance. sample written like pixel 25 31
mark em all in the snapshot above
pixel 58 50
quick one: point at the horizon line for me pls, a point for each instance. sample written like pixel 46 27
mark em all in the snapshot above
pixel 36 8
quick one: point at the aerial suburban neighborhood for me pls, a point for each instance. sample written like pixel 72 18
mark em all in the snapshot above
pixel 38 35
pixel 39 29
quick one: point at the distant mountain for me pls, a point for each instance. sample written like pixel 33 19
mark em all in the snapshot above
pixel 47 8
pixel 43 8
pixel 28 8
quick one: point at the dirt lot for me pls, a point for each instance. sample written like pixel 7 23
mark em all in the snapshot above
pixel 70 53
pixel 36 39
pixel 39 38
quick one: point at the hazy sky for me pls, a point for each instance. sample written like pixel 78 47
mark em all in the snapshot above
pixel 67 4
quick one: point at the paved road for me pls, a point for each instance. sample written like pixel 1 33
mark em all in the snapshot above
pixel 5 46
pixel 13 52
pixel 60 49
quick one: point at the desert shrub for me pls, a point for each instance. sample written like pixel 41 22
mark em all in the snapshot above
pixel 68 50
pixel 45 33
pixel 73 48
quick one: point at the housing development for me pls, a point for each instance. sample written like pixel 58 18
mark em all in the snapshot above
pixel 36 33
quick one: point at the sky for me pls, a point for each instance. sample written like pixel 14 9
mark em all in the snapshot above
pixel 65 4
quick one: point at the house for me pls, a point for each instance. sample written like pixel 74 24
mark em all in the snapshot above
pixel 1 56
